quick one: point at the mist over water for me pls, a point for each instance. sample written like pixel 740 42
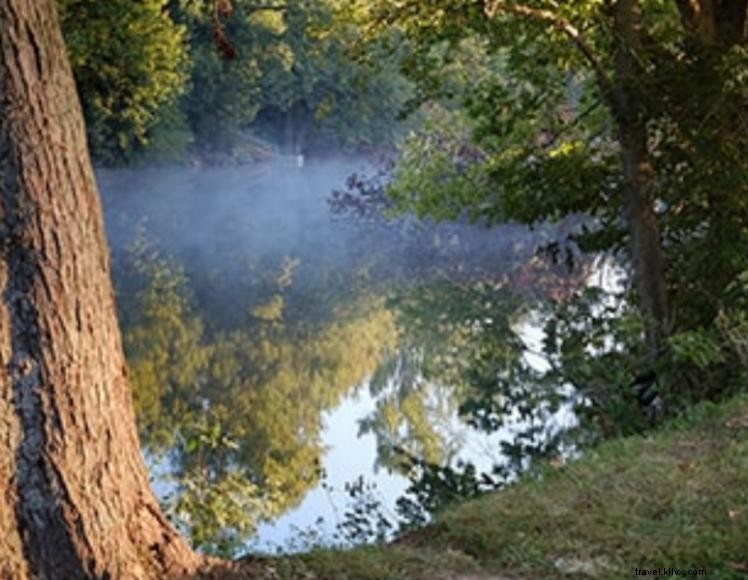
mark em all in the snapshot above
pixel 234 229
pixel 274 210
pixel 208 216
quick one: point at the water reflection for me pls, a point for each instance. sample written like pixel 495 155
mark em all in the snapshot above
pixel 260 333
pixel 237 411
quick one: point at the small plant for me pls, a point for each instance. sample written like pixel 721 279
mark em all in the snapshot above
pixel 364 520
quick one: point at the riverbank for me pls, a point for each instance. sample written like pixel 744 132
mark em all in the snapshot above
pixel 675 498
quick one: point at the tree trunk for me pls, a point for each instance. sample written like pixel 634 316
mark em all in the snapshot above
pixel 714 22
pixel 76 497
pixel 638 175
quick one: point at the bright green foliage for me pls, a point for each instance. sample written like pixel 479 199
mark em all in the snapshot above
pixel 129 60
pixel 154 83
pixel 432 178
pixel 515 148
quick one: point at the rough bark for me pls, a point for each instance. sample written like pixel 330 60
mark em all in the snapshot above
pixel 638 175
pixel 76 498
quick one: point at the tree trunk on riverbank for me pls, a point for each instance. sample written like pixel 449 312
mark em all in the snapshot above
pixel 645 244
pixel 713 27
pixel 76 501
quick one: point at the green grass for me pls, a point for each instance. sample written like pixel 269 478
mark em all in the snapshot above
pixel 677 497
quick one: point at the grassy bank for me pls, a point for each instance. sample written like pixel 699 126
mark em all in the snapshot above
pixel 677 497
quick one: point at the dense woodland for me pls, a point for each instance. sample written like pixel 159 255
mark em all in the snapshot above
pixel 513 149
pixel 164 80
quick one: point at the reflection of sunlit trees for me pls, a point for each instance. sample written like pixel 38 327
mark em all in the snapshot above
pixel 417 419
pixel 235 415
pixel 462 355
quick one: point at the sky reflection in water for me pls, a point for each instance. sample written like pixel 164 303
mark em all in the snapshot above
pixel 227 229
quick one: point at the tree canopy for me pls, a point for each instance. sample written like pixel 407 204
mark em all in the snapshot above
pixel 154 84
pixel 630 113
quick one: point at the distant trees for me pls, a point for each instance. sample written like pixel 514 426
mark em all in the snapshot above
pixel 328 96
pixel 154 84
pixel 131 65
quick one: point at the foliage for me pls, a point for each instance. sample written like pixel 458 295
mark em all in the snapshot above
pixel 439 166
pixel 436 488
pixel 155 86
pixel 537 139
pixel 466 362
pixel 364 520
pixel 130 63
pixel 294 79
pixel 224 95
pixel 164 345
pixel 316 94
pixel 593 344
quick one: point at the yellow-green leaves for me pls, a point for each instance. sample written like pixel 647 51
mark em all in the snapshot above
pixel 130 64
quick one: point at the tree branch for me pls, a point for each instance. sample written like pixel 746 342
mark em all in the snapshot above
pixel 259 7
pixel 495 7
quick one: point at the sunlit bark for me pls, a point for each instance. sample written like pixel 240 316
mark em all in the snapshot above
pixel 76 497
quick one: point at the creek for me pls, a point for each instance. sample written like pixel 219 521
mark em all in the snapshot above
pixel 287 360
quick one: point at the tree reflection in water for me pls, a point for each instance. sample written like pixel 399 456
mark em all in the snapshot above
pixel 238 412
pixel 235 360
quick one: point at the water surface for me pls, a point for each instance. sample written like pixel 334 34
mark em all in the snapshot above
pixel 280 352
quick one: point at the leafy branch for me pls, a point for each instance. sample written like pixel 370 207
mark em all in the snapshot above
pixel 496 7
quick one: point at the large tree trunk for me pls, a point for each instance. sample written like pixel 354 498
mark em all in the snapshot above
pixel 638 175
pixel 76 501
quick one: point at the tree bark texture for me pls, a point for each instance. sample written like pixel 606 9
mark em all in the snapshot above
pixel 638 175
pixel 76 501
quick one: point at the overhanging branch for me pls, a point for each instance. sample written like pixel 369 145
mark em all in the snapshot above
pixel 496 7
